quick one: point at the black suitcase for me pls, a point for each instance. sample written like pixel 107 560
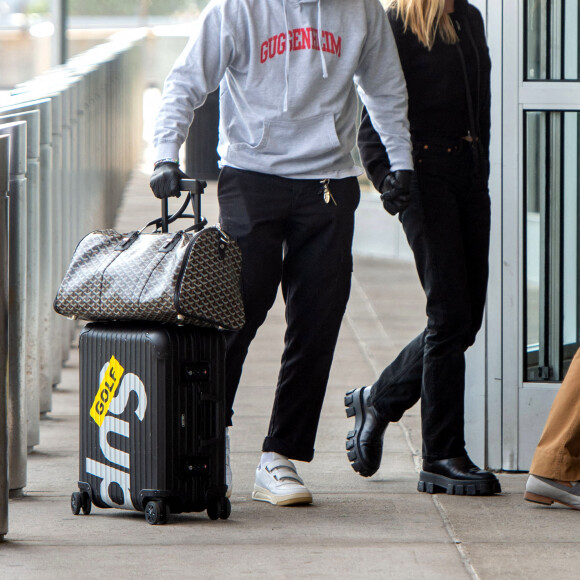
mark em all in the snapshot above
pixel 152 420
pixel 152 412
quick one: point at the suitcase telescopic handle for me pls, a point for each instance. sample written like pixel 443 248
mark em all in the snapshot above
pixel 194 187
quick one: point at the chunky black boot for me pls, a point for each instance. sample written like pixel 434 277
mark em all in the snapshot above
pixel 365 443
pixel 457 476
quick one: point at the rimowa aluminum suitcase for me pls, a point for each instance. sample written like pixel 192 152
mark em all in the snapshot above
pixel 152 420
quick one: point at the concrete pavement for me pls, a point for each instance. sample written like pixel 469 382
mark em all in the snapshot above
pixel 379 527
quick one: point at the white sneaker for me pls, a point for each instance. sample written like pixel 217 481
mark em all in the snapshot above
pixel 229 482
pixel 279 483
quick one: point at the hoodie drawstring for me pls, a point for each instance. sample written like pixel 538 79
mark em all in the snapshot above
pixel 286 60
pixel 322 59
pixel 287 53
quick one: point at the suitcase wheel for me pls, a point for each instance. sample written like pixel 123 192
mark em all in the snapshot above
pixel 80 500
pixel 156 512
pixel 226 509
pixel 219 507
pixel 75 502
pixel 86 503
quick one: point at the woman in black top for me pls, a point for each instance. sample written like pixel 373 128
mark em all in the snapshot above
pixel 446 218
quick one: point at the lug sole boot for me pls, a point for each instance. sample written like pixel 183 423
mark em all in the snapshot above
pixel 364 444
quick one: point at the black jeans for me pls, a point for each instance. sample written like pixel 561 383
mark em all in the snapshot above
pixel 288 234
pixel 447 225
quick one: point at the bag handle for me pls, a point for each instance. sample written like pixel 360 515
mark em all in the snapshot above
pixel 195 188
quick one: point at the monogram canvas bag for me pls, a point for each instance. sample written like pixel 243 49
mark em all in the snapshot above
pixel 190 277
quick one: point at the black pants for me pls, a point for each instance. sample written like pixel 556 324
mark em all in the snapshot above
pixel 288 234
pixel 447 225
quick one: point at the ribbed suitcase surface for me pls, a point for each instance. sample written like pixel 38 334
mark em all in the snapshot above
pixel 152 421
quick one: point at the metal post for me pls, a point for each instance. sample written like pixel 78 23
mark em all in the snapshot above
pixel 59 49
pixel 77 225
pixel 67 191
pixel 49 320
pixel 49 100
pixel 17 443
pixel 54 85
pixel 58 225
pixel 4 484
pixel 37 357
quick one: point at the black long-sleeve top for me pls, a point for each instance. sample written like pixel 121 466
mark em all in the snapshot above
pixel 438 104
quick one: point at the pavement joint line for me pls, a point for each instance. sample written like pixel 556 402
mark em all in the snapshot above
pixel 361 295
pixel 414 451
pixel 465 559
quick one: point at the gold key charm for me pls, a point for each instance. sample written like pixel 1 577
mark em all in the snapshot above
pixel 326 191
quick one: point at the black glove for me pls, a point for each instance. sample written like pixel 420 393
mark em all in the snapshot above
pixel 165 180
pixel 395 191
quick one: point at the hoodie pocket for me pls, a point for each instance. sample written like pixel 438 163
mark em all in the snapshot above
pixel 300 139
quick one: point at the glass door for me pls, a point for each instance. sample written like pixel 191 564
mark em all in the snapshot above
pixel 541 234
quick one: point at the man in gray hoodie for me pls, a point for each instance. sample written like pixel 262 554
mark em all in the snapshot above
pixel 288 73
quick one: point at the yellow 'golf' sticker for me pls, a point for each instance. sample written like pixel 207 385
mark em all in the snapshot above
pixel 107 390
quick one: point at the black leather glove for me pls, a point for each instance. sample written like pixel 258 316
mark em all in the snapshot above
pixel 396 192
pixel 165 180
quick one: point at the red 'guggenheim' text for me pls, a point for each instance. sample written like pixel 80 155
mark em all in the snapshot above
pixel 300 39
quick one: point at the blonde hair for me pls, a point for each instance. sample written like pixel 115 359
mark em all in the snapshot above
pixel 426 19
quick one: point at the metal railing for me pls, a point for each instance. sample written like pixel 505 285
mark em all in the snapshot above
pixel 17 282
pixel 4 485
pixel 69 139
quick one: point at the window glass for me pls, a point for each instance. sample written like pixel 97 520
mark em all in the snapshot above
pixel 535 185
pixel 552 318
pixel 552 40
pixel 571 237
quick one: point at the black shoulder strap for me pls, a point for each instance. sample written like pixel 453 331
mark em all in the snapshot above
pixel 473 124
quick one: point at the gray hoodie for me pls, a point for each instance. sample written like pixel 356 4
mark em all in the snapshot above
pixel 288 71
